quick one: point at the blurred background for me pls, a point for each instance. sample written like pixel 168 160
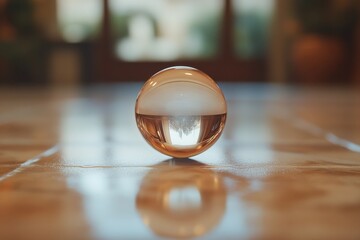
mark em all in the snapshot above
pixel 79 42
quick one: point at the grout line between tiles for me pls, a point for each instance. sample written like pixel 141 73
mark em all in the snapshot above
pixel 29 162
pixel 335 166
pixel 317 131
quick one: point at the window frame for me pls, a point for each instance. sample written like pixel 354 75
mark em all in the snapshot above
pixel 223 67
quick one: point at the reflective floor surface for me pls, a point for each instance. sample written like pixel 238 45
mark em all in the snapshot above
pixel 73 165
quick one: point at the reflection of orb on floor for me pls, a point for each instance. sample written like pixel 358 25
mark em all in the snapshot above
pixel 181 201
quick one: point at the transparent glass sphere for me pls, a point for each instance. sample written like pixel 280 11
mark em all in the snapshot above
pixel 180 111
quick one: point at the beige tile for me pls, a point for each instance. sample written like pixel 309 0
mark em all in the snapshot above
pixel 274 174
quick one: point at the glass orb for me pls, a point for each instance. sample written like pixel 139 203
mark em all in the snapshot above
pixel 180 111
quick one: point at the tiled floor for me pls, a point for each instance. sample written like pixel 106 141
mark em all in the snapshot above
pixel 74 166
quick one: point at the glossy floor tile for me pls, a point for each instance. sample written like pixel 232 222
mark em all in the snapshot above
pixel 73 165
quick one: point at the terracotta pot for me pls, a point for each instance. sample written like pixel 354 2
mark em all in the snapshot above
pixel 318 59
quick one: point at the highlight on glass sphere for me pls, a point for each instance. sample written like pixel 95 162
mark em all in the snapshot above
pixel 180 111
